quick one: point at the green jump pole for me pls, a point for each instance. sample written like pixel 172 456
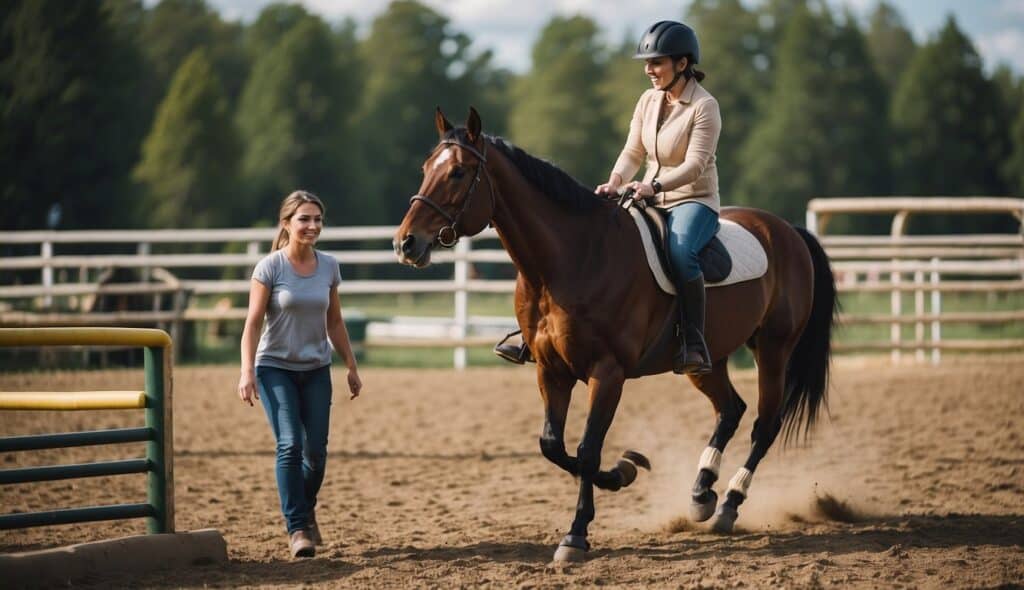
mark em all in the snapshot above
pixel 159 450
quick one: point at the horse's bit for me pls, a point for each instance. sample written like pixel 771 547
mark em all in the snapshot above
pixel 448 236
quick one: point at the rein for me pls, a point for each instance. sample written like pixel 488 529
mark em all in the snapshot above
pixel 448 236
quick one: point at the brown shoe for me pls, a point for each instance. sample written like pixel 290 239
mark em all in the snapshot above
pixel 314 530
pixel 301 545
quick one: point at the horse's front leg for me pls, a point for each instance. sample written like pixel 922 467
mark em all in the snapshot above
pixel 605 388
pixel 556 391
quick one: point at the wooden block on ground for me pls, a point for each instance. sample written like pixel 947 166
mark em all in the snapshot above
pixel 62 566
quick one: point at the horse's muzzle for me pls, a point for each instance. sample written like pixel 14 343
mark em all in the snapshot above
pixel 412 251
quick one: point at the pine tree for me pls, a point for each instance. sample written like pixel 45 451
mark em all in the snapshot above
pixel 731 46
pixel 891 44
pixel 189 161
pixel 556 112
pixel 950 138
pixel 1013 167
pixel 623 83
pixel 175 28
pixel 294 118
pixel 824 133
pixel 70 123
pixel 1011 92
pixel 273 22
pixel 415 63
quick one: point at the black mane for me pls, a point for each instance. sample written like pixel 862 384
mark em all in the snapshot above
pixel 549 179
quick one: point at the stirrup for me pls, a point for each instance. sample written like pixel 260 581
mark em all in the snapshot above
pixel 512 353
pixel 684 364
pixel 695 367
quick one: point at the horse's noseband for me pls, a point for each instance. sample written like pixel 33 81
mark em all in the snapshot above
pixel 448 236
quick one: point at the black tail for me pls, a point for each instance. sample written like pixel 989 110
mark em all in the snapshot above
pixel 807 371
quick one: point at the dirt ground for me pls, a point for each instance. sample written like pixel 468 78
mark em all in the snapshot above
pixel 435 479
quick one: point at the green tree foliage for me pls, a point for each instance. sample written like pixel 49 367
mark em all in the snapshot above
pixel 294 121
pixel 174 28
pixel 415 62
pixel 556 109
pixel 190 158
pixel 773 17
pixel 824 133
pixel 623 83
pixel 69 121
pixel 890 43
pixel 273 22
pixel 809 107
pixel 1011 93
pixel 731 45
pixel 1013 167
pixel 950 137
pixel 1011 89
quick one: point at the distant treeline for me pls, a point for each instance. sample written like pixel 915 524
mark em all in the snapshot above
pixel 113 114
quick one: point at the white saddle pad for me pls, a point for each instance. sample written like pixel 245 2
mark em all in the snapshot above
pixel 749 260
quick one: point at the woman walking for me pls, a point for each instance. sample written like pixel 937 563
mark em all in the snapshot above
pixel 295 288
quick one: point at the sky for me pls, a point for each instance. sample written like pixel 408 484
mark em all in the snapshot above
pixel 509 27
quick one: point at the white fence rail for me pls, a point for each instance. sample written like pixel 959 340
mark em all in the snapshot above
pixel 76 277
pixel 900 264
pixel 52 277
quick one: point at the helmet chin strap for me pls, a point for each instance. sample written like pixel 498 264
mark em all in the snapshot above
pixel 684 72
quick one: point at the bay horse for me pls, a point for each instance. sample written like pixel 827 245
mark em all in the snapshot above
pixel 591 311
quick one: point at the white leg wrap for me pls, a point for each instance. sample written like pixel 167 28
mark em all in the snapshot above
pixel 741 481
pixel 710 459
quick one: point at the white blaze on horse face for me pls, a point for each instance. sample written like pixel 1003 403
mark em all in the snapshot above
pixel 443 157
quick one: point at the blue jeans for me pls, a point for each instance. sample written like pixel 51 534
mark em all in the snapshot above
pixel 298 406
pixel 690 226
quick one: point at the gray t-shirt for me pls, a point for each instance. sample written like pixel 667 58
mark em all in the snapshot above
pixel 295 332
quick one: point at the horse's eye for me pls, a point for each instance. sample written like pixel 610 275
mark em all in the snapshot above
pixel 457 173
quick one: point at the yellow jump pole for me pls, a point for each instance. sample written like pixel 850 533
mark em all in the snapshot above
pixel 72 400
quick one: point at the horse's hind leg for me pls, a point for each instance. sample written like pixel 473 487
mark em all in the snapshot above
pixel 729 408
pixel 771 373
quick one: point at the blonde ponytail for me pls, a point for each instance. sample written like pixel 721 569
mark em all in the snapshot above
pixel 280 241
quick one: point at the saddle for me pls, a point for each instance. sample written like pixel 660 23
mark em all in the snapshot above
pixel 734 255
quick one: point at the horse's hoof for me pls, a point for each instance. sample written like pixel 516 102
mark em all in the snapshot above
pixel 701 511
pixel 572 549
pixel 569 555
pixel 725 519
pixel 627 471
pixel 637 459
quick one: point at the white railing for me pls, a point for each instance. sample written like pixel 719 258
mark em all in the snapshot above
pixel 60 285
pixel 917 264
pixel 73 276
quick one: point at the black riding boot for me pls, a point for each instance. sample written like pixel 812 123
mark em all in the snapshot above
pixel 693 357
pixel 512 353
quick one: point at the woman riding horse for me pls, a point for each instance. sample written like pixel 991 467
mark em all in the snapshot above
pixel 590 312
pixel 675 128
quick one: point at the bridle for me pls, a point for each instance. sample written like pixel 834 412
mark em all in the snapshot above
pixel 448 236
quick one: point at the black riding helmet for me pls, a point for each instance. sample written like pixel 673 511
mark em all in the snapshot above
pixel 668 38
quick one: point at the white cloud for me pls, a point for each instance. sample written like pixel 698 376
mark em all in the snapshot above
pixel 1003 46
pixel 1011 8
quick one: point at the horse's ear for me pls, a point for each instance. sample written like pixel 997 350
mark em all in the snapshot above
pixel 442 122
pixel 473 124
